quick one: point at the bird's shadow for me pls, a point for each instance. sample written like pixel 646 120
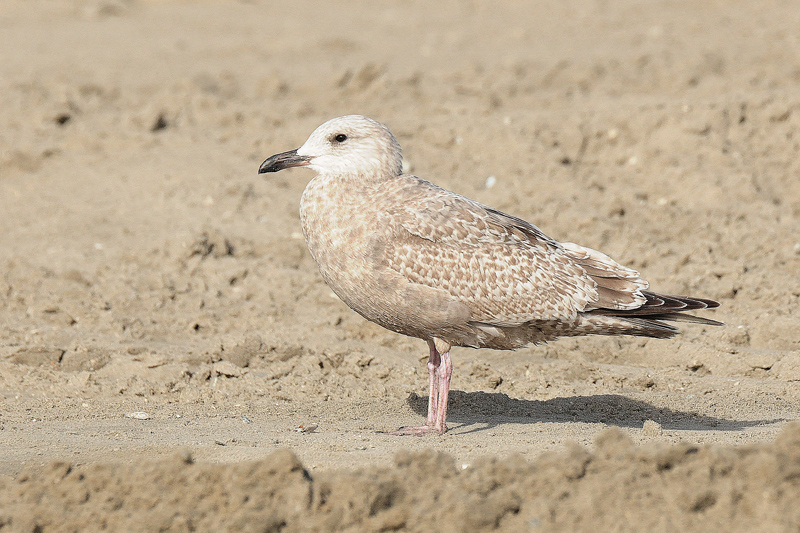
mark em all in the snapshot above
pixel 490 409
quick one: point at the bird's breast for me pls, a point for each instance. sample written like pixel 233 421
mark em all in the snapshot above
pixel 336 228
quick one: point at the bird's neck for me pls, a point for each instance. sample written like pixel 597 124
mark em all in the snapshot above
pixel 355 181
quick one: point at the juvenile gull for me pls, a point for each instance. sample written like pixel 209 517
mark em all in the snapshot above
pixel 429 263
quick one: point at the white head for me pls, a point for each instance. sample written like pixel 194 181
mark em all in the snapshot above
pixel 353 144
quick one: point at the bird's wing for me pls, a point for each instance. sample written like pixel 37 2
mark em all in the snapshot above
pixel 504 269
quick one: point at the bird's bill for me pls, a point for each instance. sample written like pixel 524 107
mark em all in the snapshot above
pixel 284 160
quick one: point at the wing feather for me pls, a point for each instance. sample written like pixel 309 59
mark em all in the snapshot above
pixel 504 269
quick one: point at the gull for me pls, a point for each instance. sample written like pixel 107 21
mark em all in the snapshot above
pixel 429 263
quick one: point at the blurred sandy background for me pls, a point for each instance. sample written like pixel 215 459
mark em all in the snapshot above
pixel 164 332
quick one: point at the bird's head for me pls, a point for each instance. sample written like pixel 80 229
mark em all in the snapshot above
pixel 351 145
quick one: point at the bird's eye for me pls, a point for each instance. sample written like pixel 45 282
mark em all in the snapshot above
pixel 340 138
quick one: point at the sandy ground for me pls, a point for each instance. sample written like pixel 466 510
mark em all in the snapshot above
pixel 164 333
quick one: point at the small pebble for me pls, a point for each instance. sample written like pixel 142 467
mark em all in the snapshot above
pixel 651 428
pixel 138 415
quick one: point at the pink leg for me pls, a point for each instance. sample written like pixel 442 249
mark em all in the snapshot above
pixel 439 370
pixel 444 373
pixel 433 390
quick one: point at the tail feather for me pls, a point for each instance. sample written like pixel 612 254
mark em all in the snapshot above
pixel 647 327
pixel 679 317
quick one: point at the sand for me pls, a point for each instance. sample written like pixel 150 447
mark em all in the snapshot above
pixel 171 359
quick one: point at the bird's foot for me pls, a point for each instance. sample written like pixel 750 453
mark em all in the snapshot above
pixel 418 431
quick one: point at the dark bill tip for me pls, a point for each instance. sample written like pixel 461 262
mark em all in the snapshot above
pixel 285 160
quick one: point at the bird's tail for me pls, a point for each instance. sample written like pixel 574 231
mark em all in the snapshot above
pixel 651 318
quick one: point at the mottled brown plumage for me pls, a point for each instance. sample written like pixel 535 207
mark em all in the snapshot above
pixel 429 263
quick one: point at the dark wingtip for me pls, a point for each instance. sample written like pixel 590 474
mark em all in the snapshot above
pixel 710 304
pixel 666 307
